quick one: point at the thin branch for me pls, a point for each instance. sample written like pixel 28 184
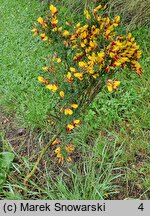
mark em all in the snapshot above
pixel 44 150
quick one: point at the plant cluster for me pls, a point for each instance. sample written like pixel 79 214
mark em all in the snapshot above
pixel 85 56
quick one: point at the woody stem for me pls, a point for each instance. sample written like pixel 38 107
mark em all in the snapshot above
pixel 30 174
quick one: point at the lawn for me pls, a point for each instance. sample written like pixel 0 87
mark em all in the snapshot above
pixel 112 159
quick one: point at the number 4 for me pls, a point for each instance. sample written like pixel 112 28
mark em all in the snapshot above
pixel 141 207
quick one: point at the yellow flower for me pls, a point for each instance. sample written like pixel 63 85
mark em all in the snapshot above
pixel 82 45
pixel 82 64
pixel 112 85
pixel 61 159
pixel 116 83
pixel 35 32
pixel 95 32
pixel 70 148
pixel 117 19
pixel 62 94
pixel 76 122
pixel 43 37
pixel 93 44
pixel 58 60
pixel 138 54
pixel 57 150
pixel 87 15
pixel 67 23
pixel 91 70
pixel 101 56
pixel 53 10
pixel 78 25
pixel 111 54
pixel 54 29
pixel 60 29
pixel 70 79
pixel 54 22
pixel 69 127
pixel 83 35
pixel 66 33
pixel 85 41
pixel 97 8
pixel 52 87
pixel 45 68
pixel 129 36
pixel 87 50
pixel 50 121
pixel 59 155
pixel 136 67
pixel 75 106
pixel 42 22
pixel 79 76
pixel 72 69
pixel 41 79
pixel 68 111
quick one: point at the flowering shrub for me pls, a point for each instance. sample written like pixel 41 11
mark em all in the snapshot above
pixel 84 57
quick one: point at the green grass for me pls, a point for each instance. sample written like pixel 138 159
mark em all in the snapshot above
pixel 21 61
pixel 134 12
pixel 112 159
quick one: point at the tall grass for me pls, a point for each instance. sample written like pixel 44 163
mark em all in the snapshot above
pixel 91 178
pixel 134 13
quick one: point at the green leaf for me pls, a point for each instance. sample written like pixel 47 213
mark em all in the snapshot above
pixel 6 159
